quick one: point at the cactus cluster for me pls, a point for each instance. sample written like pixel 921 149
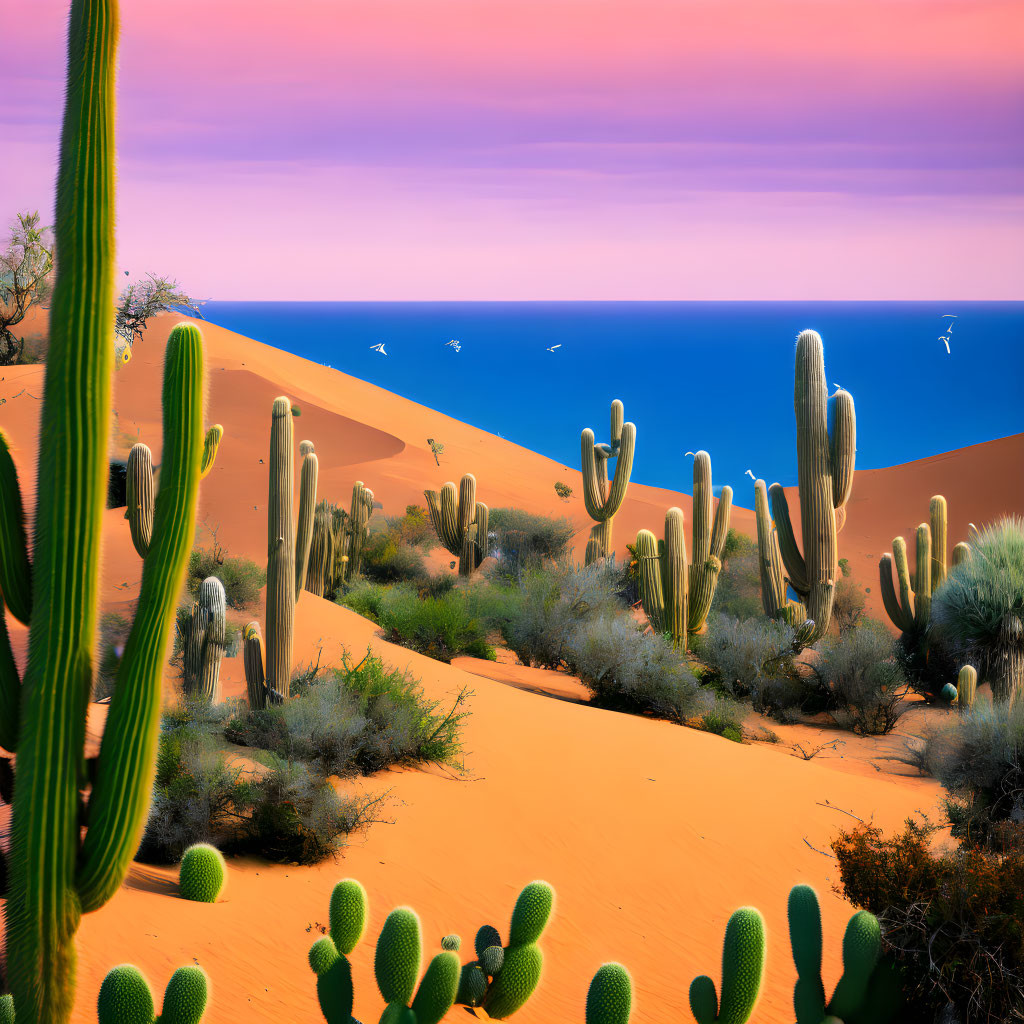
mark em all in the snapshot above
pixel 910 609
pixel 460 522
pixel 201 873
pixel 288 548
pixel 601 498
pixel 826 446
pixel 677 595
pixel 336 552
pixel 328 957
pixel 203 641
pixel 125 997
pixel 502 978
pixel 743 955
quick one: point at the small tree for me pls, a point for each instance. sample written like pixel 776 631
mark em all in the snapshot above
pixel 141 301
pixel 563 490
pixel 26 267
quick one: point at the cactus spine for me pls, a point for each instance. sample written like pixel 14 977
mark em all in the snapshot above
pixel 826 450
pixel 664 579
pixel 460 522
pixel 125 997
pixel 743 954
pixel 601 500
pixel 203 641
pixel 288 548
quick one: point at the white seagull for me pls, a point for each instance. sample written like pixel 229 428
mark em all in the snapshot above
pixel 379 347
pixel 551 348
pixel 944 338
pixel 457 345
pixel 689 453
pixel 751 475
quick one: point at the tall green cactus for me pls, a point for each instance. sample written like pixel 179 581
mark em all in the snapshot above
pixel 320 574
pixel 203 634
pixel 743 955
pixel 461 522
pixel 354 530
pixel 774 599
pixel 709 536
pixel 602 500
pixel 288 549
pixel 869 990
pixel 966 687
pixel 826 447
pixel 910 610
pixel 125 997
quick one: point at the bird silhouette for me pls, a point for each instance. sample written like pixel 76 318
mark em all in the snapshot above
pixel 751 475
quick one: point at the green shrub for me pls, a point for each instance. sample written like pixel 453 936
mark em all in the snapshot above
pixel 724 719
pixel 979 608
pixel 386 559
pixel 360 718
pixel 365 599
pixel 242 578
pixel 738 591
pixel 522 541
pixel 862 673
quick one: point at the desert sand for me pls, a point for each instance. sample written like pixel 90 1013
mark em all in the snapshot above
pixel 650 833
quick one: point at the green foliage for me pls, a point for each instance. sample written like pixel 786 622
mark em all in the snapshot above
pixel 242 578
pixel 26 268
pixel 738 593
pixel 202 872
pixel 522 541
pixel 864 677
pixel 357 718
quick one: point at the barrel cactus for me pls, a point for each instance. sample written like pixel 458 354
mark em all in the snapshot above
pixel 203 635
pixel 743 955
pixel 869 990
pixel 610 996
pixel 826 449
pixel 201 873
pixel 460 522
pixel 288 547
pixel 966 687
pixel 601 498
pixel 125 997
pixel 328 957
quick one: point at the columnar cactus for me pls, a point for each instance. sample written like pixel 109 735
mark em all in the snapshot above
pixel 910 610
pixel 610 996
pixel 125 997
pixel 520 964
pixel 602 500
pixel 328 957
pixel 354 531
pixel 743 954
pixel 966 687
pixel 826 449
pixel 773 583
pixel 201 873
pixel 460 522
pixel 203 631
pixel 320 574
pixel 397 967
pixel 709 538
pixel 664 578
pixel 288 549
pixel 869 989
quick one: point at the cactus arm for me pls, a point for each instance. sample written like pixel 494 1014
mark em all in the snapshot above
pixel 610 996
pixel 15 569
pixel 396 963
pixel 623 470
pixel 651 585
pixel 617 417
pixel 280 551
pixel 436 993
pixel 889 598
pixel 304 529
pixel 252 661
pixel 467 503
pixel 483 516
pixel 120 796
pixel 899 554
pixel 10 690
pixel 42 911
pixel 593 495
pixel 796 568
pixel 842 437
pixel 960 552
pixel 140 497
pixel 213 602
pixel 701 544
pixel 707 537
pixel 211 442
pixel 923 577
pixel 450 536
pixel 743 954
pixel 676 577
pixel 769 559
pixel 861 946
pixel 806 942
pixel 938 521
pixel 720 527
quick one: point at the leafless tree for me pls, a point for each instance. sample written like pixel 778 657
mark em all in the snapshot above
pixel 142 300
pixel 26 268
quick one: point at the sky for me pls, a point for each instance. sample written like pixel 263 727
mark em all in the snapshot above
pixel 564 149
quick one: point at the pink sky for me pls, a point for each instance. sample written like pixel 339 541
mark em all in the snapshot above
pixel 575 149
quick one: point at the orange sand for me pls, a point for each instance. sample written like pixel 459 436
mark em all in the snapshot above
pixel 651 834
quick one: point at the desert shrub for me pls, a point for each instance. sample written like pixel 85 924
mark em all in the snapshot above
pixel 862 673
pixel 563 490
pixel 522 541
pixel 242 577
pixel 979 758
pixel 414 528
pixel 278 811
pixel 979 609
pixel 386 559
pixel 848 603
pixel 724 719
pixel 358 718
pixel 953 919
pixel 626 669
pixel 114 630
pixel 365 599
pixel 754 658
pixel 738 591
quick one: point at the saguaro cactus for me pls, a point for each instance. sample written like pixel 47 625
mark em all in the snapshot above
pixel 287 557
pixel 773 582
pixel 320 573
pixel 354 531
pixel 460 522
pixel 664 578
pixel 203 641
pixel 826 449
pixel 54 874
pixel 602 500
pixel 708 542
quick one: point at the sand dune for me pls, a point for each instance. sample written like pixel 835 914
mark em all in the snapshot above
pixel 651 834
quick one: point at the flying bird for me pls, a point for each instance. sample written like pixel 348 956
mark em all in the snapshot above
pixel 751 475
pixel 944 338
pixel 689 453
pixel 379 347
pixel 457 345
pixel 551 348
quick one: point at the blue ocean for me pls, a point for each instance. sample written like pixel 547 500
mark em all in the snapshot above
pixel 713 375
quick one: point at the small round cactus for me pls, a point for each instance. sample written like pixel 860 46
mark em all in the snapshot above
pixel 185 996
pixel 488 935
pixel 125 997
pixel 323 954
pixel 452 943
pixel 610 996
pixel 201 875
pixel 949 693
pixel 472 985
pixel 491 960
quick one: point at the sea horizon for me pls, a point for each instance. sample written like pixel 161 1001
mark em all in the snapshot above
pixel 914 399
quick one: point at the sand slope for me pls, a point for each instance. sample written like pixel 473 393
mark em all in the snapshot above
pixel 651 834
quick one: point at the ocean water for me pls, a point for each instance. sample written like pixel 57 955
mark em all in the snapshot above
pixel 713 375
